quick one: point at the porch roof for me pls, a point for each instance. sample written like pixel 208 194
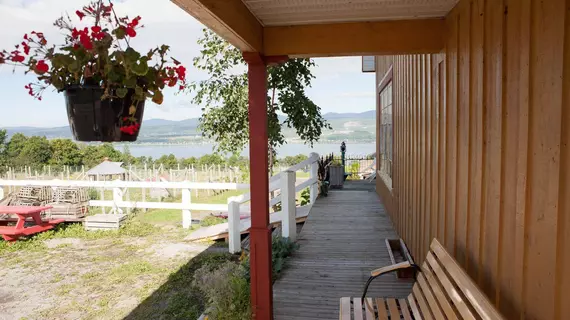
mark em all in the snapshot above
pixel 326 27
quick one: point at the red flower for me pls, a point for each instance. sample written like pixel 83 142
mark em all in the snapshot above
pixel 18 58
pixel 96 29
pixel 181 71
pixel 42 67
pixel 86 41
pixel 131 32
pixel 131 130
pixel 26 48
pixel 181 87
pixel 26 36
pixel 80 14
pixel 135 22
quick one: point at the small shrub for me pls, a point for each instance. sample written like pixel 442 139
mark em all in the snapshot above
pixel 281 249
pixel 226 289
pixel 93 194
pixel 211 221
pixel 305 197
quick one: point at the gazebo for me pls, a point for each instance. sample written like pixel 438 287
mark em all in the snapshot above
pixel 107 170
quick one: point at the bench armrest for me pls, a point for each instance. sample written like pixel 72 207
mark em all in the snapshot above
pixel 380 271
pixel 394 267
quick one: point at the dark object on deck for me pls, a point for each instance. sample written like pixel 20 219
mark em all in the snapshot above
pixel 93 119
pixel 399 253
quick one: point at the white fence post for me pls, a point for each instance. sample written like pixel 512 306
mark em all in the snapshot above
pixel 117 197
pixel 288 208
pixel 234 235
pixel 1 192
pixel 186 214
pixel 314 188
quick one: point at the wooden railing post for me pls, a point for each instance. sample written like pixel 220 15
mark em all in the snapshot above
pixel 186 214
pixel 288 208
pixel 314 175
pixel 1 192
pixel 234 235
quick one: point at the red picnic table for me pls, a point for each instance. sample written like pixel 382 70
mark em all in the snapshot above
pixel 12 233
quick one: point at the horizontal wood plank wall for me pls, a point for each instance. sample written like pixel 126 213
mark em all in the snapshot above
pixel 482 155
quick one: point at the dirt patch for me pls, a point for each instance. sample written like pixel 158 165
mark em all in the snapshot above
pixel 63 242
pixel 74 278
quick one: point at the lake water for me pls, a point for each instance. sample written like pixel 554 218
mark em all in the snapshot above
pixel 291 149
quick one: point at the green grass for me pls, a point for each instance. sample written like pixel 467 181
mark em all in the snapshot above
pixel 174 216
pixel 302 174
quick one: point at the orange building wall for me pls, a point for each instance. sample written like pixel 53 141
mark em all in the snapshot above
pixel 481 154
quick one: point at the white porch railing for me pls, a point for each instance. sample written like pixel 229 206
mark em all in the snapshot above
pixel 284 181
pixel 118 187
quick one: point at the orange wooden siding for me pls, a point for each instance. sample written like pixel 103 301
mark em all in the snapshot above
pixel 481 155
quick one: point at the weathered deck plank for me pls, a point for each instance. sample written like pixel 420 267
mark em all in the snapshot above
pixel 340 243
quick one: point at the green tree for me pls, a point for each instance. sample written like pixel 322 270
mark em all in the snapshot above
pixel 127 157
pixel 3 148
pixel 36 152
pixel 224 96
pixel 210 159
pixel 14 148
pixel 65 153
pixel 93 155
pixel 188 162
pixel 168 161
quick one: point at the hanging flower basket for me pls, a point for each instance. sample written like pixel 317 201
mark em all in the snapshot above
pixel 94 119
pixel 105 81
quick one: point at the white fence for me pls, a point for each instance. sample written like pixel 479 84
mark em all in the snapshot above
pixel 118 187
pixel 284 181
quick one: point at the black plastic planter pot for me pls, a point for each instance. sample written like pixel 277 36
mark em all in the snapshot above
pixel 93 119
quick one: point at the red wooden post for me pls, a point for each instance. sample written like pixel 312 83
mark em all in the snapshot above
pixel 260 232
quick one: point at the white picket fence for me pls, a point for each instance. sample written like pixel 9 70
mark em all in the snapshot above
pixel 118 187
pixel 284 181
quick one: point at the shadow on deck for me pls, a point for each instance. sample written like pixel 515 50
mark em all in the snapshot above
pixel 340 243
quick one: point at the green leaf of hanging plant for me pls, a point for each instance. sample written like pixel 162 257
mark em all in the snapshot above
pixel 140 69
pixel 131 82
pixel 139 91
pixel 122 92
pixel 158 97
pixel 120 33
pixel 131 56
pixel 74 66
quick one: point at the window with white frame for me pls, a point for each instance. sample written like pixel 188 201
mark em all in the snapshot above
pixel 386 131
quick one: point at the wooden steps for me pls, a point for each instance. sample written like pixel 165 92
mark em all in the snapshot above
pixel 105 221
pixel 220 231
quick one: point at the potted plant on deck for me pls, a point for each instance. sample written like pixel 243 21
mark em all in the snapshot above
pixel 105 81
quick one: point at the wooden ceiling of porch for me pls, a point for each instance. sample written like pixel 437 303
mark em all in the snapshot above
pixel 301 12
pixel 313 28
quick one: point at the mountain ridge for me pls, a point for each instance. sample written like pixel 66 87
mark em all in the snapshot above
pixel 162 130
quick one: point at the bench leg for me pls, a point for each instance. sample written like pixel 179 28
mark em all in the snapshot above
pixel 10 238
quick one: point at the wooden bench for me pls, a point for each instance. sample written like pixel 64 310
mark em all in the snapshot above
pixel 442 291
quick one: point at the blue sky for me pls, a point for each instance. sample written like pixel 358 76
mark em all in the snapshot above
pixel 339 86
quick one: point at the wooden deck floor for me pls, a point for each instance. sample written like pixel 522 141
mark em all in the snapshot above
pixel 340 243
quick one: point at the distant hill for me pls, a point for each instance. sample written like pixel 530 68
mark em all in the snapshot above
pixel 362 115
pixel 346 126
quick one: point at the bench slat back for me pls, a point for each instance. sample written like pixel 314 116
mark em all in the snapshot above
pixel 457 296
